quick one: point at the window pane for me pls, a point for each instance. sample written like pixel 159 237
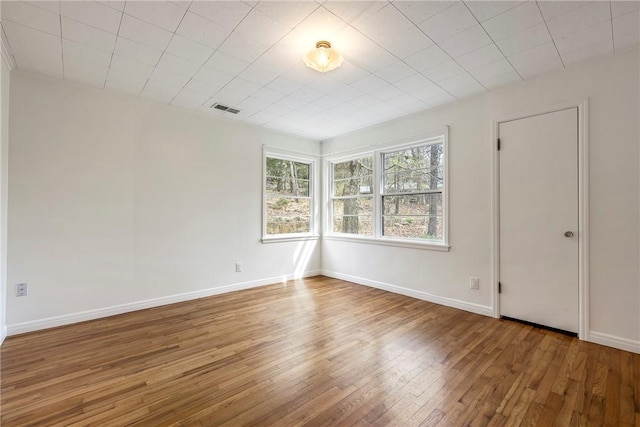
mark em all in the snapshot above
pixel 353 168
pixel 413 227
pixel 275 166
pixel 413 216
pixel 287 225
pixel 353 186
pixel 418 204
pixel 403 181
pixel 303 187
pixel 301 170
pixel 353 224
pixel 288 215
pixel 287 177
pixel 288 187
pixel 413 169
pixel 353 206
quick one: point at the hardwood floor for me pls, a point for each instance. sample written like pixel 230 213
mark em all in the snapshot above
pixel 317 352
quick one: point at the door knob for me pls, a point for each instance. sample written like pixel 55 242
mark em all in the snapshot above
pixel 568 234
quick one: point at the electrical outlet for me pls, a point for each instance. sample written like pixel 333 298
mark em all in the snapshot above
pixel 238 267
pixel 474 283
pixel 22 290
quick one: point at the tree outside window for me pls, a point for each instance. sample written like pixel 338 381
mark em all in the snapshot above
pixel 392 195
pixel 288 196
pixel 412 192
pixel 353 196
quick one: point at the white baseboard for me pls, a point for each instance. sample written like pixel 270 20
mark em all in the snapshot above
pixel 449 302
pixel 50 322
pixel 595 337
pixel 3 334
pixel 82 316
pixel 615 342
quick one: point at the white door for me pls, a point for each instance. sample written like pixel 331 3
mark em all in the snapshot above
pixel 539 219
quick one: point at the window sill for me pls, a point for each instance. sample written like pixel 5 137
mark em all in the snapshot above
pixel 441 247
pixel 299 238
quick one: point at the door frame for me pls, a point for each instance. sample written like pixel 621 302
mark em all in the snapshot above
pixel 583 207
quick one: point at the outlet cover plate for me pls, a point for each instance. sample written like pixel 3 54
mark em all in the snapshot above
pixel 22 290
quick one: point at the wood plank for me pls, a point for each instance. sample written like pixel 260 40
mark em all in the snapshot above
pixel 318 351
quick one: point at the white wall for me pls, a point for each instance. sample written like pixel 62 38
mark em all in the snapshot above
pixel 612 86
pixel 4 154
pixel 116 204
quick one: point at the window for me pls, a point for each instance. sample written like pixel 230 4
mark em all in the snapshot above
pixel 393 196
pixel 352 201
pixel 288 196
pixel 412 181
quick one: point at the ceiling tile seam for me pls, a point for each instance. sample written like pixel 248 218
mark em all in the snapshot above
pixel 589 28
pixel 550 35
pixel 495 44
pixel 613 38
pixel 21 24
pixel 359 64
pixel 87 24
pixel 37 4
pixel 124 11
pixel 107 4
pixel 7 52
pixel 573 11
pixel 70 18
pixel 435 44
pixel 113 50
pixel 210 99
pixel 148 23
pixel 499 14
pixel 61 45
pixel 62 33
pixel 208 19
pixel 173 34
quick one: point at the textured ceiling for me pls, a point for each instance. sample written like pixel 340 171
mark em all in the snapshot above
pixel 400 56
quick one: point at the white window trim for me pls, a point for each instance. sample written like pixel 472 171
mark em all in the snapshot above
pixel 314 180
pixel 377 237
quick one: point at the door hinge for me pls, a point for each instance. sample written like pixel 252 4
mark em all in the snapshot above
pixel 499 287
pixel 498 144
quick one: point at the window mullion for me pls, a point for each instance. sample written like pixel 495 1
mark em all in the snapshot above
pixel 412 193
pixel 377 194
pixel 352 197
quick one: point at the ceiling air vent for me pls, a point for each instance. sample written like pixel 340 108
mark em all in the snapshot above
pixel 225 108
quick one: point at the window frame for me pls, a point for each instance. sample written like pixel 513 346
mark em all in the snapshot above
pixel 312 234
pixel 433 137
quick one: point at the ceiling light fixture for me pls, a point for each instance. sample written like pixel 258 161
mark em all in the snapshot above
pixel 323 58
